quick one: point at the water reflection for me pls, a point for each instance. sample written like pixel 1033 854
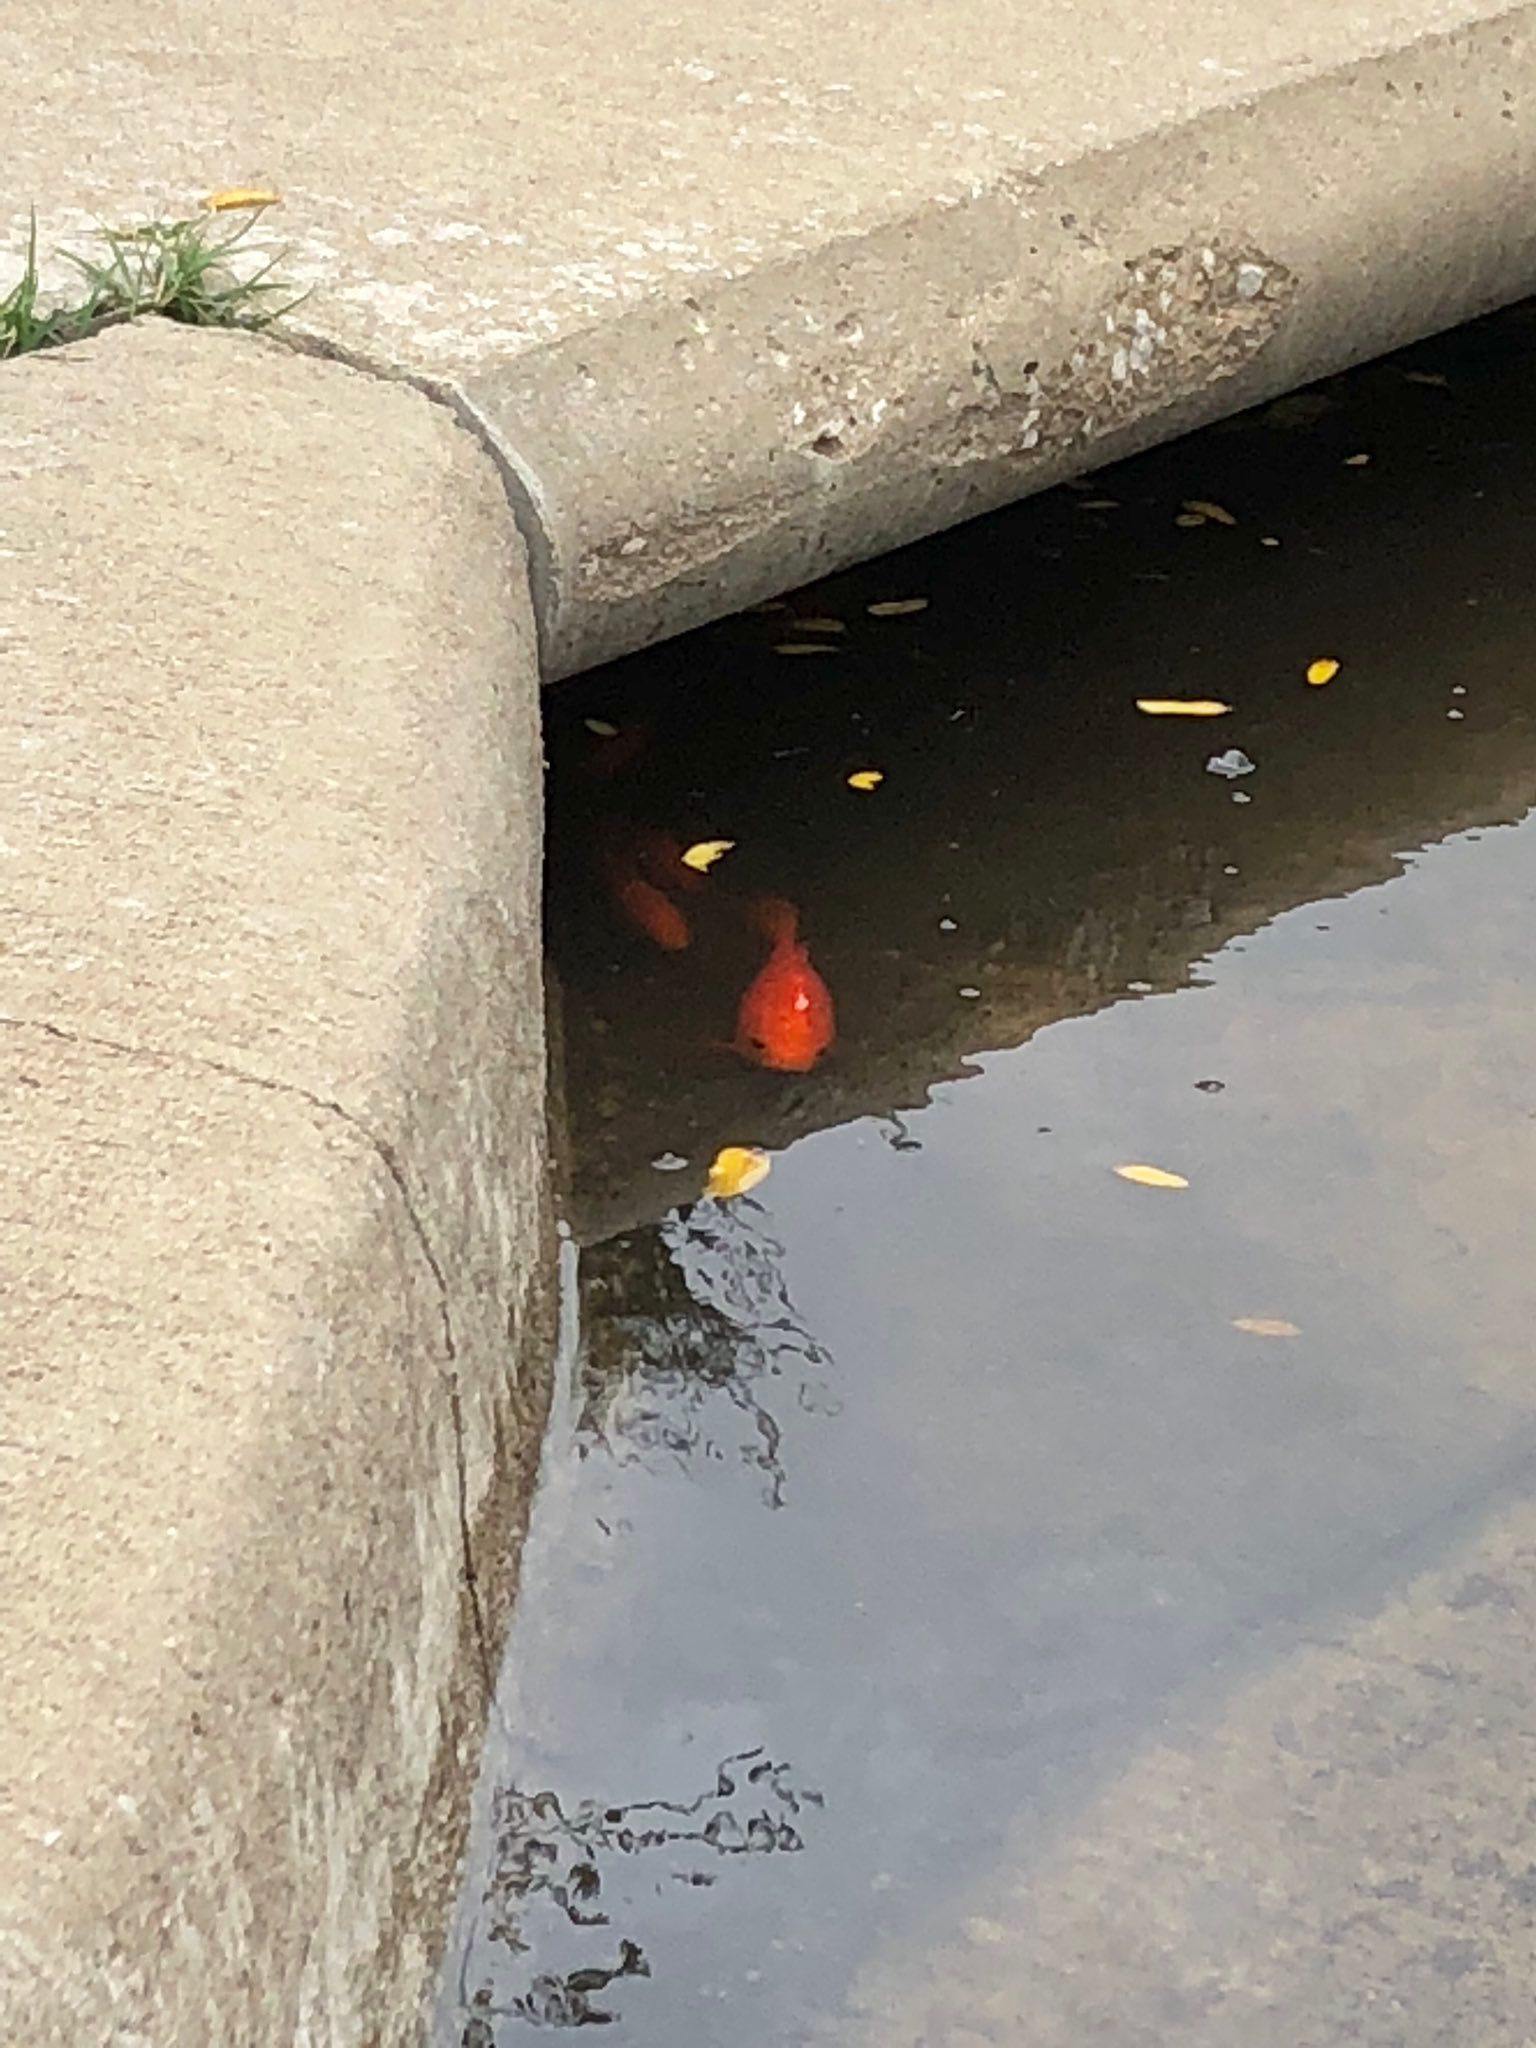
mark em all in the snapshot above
pixel 1056 1507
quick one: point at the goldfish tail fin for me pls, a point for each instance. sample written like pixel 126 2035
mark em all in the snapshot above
pixel 776 919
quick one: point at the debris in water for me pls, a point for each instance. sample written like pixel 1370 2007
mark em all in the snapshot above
pixel 702 856
pixel 1427 377
pixel 1098 504
pixel 1241 796
pixel 1265 1326
pixel 1182 707
pixel 866 778
pixel 1455 714
pixel 1191 519
pixel 736 1169
pixel 1356 461
pixel 897 607
pixel 806 647
pixel 669 1162
pixel 1231 764
pixel 1269 540
pixel 1210 1087
pixel 1151 1177
pixel 602 728
pixel 821 625
pixel 947 924
pixel 1207 510
pixel 1320 672
pixel 969 993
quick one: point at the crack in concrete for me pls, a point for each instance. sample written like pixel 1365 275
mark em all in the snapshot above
pixel 390 1160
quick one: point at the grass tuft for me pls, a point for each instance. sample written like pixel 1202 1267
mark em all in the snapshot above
pixel 178 269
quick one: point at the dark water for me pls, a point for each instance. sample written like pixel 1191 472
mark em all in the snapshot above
pixel 891 1511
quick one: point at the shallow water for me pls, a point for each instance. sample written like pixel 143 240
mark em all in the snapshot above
pixel 892 1512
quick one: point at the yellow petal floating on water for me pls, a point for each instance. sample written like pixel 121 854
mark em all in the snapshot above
pixel 1265 1326
pixel 602 728
pixel 736 1169
pixel 897 607
pixel 805 647
pixel 1182 707
pixel 827 625
pixel 1151 1177
pixel 235 196
pixel 702 857
pixel 1206 510
pixel 866 778
pixel 1320 672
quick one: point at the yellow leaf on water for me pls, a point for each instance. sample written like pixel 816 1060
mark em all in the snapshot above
pixel 1265 1326
pixel 897 607
pixel 804 647
pixel 702 857
pixel 866 778
pixel 1151 1177
pixel 1182 707
pixel 602 728
pixel 1320 672
pixel 1207 510
pixel 736 1169
pixel 827 625
pixel 235 196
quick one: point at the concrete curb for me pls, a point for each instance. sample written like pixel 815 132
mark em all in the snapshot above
pixel 704 453
pixel 276 1269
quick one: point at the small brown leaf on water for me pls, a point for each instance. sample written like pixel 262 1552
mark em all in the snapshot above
pixel 1151 1177
pixel 1182 707
pixel 1206 510
pixel 821 625
pixel 897 607
pixel 1265 1326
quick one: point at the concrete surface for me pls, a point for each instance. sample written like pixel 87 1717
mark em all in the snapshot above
pixel 274 1266
pixel 744 293
pixel 1344 1852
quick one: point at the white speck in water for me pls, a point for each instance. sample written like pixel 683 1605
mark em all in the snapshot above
pixel 1455 714
pixel 1139 988
pixel 1230 870
pixel 969 993
pixel 1231 764
pixel 1458 689
pixel 1250 280
pixel 947 924
pixel 669 1162
pixel 1241 796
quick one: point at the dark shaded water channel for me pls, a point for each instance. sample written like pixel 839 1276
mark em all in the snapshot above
pixel 893 1511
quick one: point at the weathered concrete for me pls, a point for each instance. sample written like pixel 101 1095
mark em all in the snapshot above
pixel 274 1263
pixel 744 293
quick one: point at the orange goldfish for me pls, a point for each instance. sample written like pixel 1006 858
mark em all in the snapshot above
pixel 786 1019
pixel 631 867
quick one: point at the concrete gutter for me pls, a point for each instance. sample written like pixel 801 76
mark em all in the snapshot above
pixel 731 297
pixel 744 294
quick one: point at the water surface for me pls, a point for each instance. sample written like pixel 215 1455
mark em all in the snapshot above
pixel 893 1512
